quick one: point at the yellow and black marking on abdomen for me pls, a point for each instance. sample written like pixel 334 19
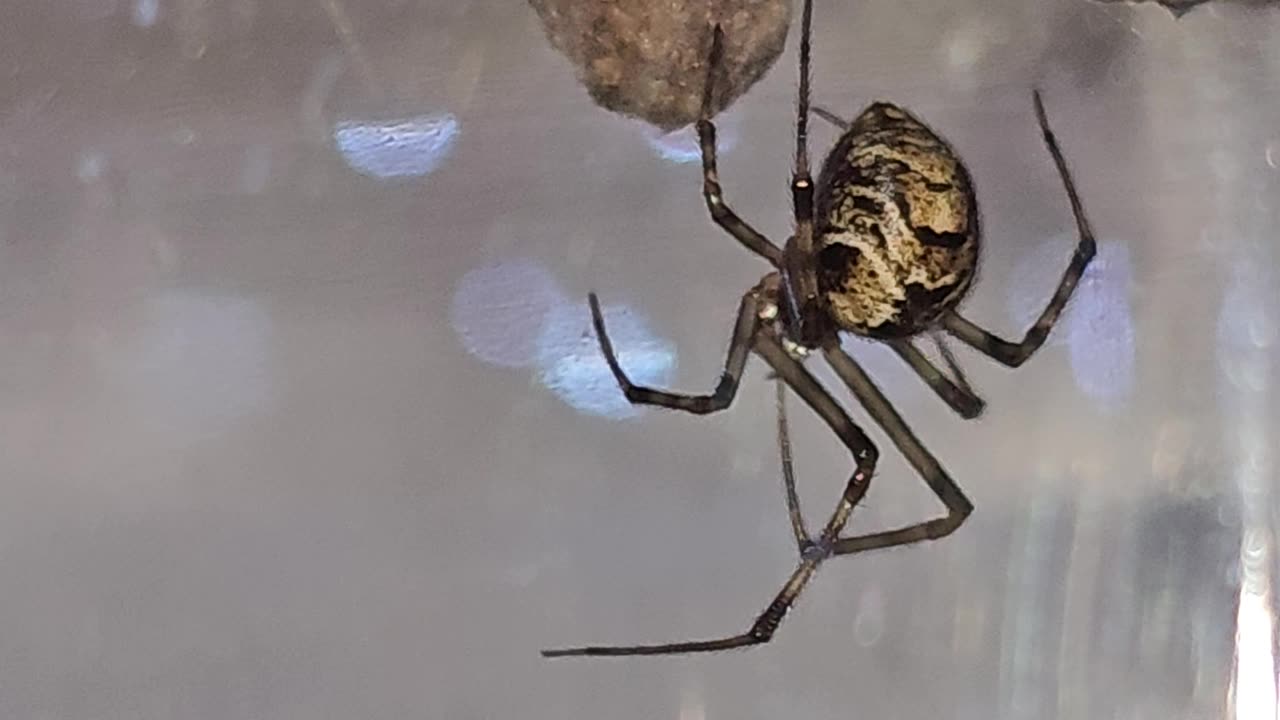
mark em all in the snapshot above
pixel 897 226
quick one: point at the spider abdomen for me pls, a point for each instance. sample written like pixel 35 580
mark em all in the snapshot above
pixel 897 226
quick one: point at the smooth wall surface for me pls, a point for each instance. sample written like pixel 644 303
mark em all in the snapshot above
pixel 301 415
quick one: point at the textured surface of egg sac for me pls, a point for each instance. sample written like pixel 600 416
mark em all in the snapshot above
pixel 648 60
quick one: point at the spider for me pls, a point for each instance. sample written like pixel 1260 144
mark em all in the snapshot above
pixel 885 247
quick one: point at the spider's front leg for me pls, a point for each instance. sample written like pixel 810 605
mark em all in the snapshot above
pixel 721 213
pixel 1014 354
pixel 743 331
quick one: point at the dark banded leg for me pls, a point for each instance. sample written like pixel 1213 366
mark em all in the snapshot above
pixel 957 374
pixel 830 117
pixel 865 455
pixel 1014 354
pixel 799 273
pixel 725 217
pixel 956 394
pixel 875 403
pixel 801 181
pixel 739 347
pixel 804 543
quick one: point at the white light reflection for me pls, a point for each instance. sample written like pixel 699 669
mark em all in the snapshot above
pixel 1255 672
pixel 1097 325
pixel 498 310
pixel 514 314
pixel 681 146
pixel 571 366
pixel 1255 682
pixel 411 147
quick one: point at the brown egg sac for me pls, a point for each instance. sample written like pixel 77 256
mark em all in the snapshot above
pixel 648 59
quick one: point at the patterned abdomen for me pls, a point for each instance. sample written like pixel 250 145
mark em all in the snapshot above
pixel 897 226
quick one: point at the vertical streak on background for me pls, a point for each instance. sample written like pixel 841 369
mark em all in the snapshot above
pixel 1080 585
pixel 1242 222
pixel 1248 368
pixel 1247 337
pixel 1027 673
pixel 1246 343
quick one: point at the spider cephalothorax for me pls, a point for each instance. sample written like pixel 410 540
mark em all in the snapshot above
pixel 885 246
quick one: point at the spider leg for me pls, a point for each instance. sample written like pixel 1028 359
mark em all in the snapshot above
pixel 803 541
pixel 865 455
pixel 799 272
pixel 723 215
pixel 875 403
pixel 718 400
pixel 956 393
pixel 944 349
pixel 830 117
pixel 801 181
pixel 1014 354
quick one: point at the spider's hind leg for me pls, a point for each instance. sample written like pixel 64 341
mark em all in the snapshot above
pixel 830 117
pixel 955 393
pixel 804 542
pixel 1014 354
pixel 877 405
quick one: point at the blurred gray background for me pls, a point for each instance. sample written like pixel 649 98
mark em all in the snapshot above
pixel 301 417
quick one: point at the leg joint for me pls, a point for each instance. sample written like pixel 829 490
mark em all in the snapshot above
pixel 944 526
pixel 715 204
pixel 725 390
pixel 867 459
